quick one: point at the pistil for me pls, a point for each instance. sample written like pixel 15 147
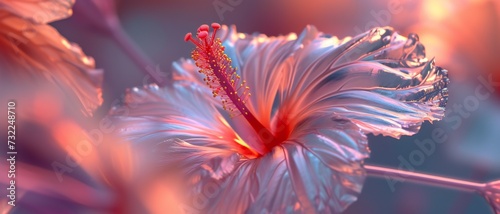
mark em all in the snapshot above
pixel 224 81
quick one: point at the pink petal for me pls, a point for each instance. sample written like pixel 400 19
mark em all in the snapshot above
pixel 301 76
pixel 319 171
pixel 185 71
pixel 319 188
pixel 259 185
pixel 325 164
pixel 153 114
pixel 370 79
pixel 261 61
pixel 186 111
pixel 32 55
pixel 41 184
pixel 377 114
pixel 190 158
pixel 39 11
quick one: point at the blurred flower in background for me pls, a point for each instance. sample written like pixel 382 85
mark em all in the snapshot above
pixel 66 163
pixel 56 89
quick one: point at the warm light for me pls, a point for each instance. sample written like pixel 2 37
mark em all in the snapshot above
pixel 436 10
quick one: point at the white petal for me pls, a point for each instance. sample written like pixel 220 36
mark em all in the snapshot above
pixel 260 185
pixel 371 79
pixel 325 166
pixel 262 62
pixel 377 114
pixel 319 171
pixel 186 111
pixel 300 77
pixel 152 114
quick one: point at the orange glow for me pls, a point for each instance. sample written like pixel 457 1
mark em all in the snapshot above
pixel 436 10
pixel 46 107
pixel 67 133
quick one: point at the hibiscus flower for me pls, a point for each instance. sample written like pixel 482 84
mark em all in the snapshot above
pixel 288 133
pixel 32 53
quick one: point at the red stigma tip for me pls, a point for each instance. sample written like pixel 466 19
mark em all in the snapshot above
pixel 203 28
pixel 202 34
pixel 188 37
pixel 215 26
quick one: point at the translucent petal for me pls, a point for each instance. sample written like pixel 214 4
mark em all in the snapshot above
pixel 153 114
pixel 185 71
pixel 261 185
pixel 261 180
pixel 261 61
pixel 300 76
pixel 319 171
pixel 38 54
pixel 375 76
pixel 492 194
pixel 39 11
pixel 319 188
pixel 190 158
pixel 378 114
pixel 335 140
pixel 326 168
pixel 186 110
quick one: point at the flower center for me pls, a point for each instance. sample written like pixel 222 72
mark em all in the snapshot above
pixel 225 82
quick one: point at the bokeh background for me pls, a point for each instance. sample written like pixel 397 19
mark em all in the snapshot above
pixel 463 36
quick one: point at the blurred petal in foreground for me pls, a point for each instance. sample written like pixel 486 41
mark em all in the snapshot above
pixel 33 53
pixel 39 11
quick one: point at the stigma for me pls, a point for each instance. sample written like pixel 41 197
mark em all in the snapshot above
pixel 220 76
